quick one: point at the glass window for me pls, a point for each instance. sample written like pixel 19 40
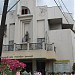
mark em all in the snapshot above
pixel 25 10
pixel 40 40
pixel 11 45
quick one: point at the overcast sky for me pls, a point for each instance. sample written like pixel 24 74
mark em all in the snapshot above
pixel 69 4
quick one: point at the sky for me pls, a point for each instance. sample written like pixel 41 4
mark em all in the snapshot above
pixel 11 2
pixel 69 4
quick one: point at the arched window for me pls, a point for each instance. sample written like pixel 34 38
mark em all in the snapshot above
pixel 25 10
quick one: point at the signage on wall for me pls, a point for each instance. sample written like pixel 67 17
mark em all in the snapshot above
pixel 62 66
pixel 18 57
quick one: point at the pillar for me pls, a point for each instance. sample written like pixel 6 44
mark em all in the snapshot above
pixel 33 66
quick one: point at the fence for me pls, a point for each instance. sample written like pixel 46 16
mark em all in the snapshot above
pixel 29 46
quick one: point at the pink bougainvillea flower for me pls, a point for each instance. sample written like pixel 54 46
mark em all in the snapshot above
pixel 13 64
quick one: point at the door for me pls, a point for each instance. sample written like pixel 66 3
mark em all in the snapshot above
pixel 41 67
pixel 29 66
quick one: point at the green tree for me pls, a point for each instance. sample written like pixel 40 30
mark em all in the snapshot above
pixel 73 67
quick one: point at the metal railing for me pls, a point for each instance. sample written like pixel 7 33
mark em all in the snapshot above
pixel 35 46
pixel 29 46
pixel 8 48
pixel 49 47
pixel 21 47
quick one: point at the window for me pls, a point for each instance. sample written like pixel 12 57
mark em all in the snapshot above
pixel 40 40
pixel 11 42
pixel 11 45
pixel 11 31
pixel 25 10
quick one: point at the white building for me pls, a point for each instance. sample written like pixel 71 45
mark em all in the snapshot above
pixel 50 47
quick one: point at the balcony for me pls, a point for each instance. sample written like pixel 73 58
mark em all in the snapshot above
pixel 29 51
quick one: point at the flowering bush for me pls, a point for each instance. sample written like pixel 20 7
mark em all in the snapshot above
pixel 11 65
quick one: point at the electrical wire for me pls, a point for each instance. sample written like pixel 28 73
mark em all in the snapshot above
pixel 61 11
pixel 67 9
pixel 60 5
pixel 13 6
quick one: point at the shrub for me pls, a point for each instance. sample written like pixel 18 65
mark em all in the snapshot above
pixel 73 67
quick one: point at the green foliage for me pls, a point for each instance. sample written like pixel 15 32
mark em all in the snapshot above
pixel 73 67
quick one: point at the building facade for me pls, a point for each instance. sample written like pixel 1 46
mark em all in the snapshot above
pixel 41 37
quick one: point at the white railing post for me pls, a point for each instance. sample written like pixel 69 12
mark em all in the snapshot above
pixel 52 46
pixel 27 45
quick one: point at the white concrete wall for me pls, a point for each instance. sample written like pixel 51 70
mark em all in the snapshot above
pixel 9 19
pixel 41 12
pixel 73 44
pixel 62 39
pixel 40 27
pixel 54 12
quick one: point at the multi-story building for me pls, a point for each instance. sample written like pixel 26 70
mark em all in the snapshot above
pixel 42 37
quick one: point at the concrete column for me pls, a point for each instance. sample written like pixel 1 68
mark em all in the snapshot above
pixel 21 31
pixel 28 46
pixel 51 67
pixel 34 67
pixel 47 68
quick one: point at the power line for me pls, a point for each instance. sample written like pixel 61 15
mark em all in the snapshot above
pixel 67 9
pixel 60 5
pixel 61 11
pixel 13 6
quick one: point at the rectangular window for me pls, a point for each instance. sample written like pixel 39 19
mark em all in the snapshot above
pixel 11 42
pixel 11 45
pixel 40 40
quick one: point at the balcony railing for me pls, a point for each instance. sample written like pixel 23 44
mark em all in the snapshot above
pixel 21 47
pixel 8 47
pixel 35 46
pixel 50 47
pixel 29 46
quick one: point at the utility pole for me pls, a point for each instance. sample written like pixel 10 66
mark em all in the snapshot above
pixel 2 27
